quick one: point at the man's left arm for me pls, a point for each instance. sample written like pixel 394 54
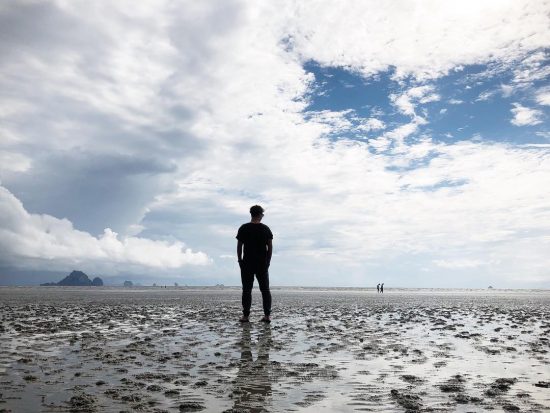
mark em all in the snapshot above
pixel 239 251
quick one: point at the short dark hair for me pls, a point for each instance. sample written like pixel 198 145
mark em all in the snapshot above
pixel 256 210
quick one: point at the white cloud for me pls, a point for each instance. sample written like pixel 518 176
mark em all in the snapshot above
pixel 525 116
pixel 455 101
pixel 344 121
pixel 335 121
pixel 371 124
pixel 439 47
pixel 543 96
pixel 25 236
pixel 534 67
pixel 376 112
pixel 403 103
pixel 484 96
pixel 406 102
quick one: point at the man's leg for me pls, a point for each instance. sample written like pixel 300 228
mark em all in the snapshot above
pixel 263 281
pixel 247 279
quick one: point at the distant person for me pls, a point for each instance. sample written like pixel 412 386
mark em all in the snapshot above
pixel 258 247
pixel 378 287
pixel 382 288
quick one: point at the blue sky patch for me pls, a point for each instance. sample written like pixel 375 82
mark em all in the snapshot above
pixel 475 103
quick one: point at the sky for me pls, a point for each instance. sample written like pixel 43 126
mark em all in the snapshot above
pixel 404 142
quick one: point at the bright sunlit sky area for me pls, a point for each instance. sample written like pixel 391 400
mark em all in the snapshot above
pixel 404 142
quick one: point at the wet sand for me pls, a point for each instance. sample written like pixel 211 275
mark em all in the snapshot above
pixel 182 350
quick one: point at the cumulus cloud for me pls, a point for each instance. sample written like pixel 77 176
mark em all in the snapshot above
pixel 525 116
pixel 46 238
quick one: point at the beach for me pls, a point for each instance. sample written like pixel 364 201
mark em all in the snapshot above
pixel 327 350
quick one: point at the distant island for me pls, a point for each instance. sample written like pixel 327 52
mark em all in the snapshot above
pixel 78 279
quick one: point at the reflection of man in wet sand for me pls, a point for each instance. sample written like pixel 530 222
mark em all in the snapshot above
pixel 256 238
pixel 253 383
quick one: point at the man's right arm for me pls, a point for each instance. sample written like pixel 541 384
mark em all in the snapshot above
pixel 269 251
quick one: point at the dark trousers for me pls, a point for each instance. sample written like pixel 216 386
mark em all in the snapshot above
pixel 247 278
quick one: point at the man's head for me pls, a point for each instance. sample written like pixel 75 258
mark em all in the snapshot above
pixel 256 211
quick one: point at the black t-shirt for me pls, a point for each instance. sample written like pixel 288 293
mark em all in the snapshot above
pixel 254 238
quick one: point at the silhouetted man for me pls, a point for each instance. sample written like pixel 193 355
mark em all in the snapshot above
pixel 382 287
pixel 378 287
pixel 258 247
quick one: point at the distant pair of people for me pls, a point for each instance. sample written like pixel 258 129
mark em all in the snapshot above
pixel 380 287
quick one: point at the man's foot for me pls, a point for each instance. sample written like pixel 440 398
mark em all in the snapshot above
pixel 244 319
pixel 266 319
